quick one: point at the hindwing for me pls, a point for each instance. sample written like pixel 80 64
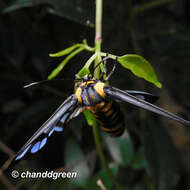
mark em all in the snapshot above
pixel 55 123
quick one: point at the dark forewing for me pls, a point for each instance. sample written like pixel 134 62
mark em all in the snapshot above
pixel 123 96
pixel 54 123
pixel 143 95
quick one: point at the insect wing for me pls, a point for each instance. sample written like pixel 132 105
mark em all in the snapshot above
pixel 54 123
pixel 123 96
pixel 143 95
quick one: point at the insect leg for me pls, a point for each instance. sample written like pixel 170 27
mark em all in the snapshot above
pixel 112 71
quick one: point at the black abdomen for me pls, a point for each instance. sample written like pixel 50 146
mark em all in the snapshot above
pixel 110 117
pixel 91 95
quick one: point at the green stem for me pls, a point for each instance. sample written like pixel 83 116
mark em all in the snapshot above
pixel 88 48
pixel 98 35
pixel 85 68
pixel 102 157
pixel 64 62
pixel 98 41
pixel 109 55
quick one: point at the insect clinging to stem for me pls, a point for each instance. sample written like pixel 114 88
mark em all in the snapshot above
pixel 100 99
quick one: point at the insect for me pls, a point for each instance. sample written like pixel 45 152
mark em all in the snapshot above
pixel 102 100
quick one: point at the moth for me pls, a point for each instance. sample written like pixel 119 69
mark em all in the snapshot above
pixel 100 99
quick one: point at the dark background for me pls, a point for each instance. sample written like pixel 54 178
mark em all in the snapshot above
pixel 29 32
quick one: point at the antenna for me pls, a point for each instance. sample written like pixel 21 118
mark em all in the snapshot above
pixel 44 81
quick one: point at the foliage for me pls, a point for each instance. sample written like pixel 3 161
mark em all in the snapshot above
pixel 137 64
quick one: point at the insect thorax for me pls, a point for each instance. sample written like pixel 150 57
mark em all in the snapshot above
pixel 90 93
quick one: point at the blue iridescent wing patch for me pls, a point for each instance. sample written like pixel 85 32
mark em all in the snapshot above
pixel 54 124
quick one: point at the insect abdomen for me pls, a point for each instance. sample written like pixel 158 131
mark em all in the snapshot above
pixel 91 95
pixel 109 116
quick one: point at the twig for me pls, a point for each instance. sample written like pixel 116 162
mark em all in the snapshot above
pixel 6 149
pixel 100 184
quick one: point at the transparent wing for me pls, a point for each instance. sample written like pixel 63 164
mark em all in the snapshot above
pixel 54 124
pixel 123 96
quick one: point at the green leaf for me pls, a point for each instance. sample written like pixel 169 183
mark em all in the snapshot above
pixel 162 157
pixel 21 4
pixel 73 156
pixel 56 71
pixel 102 175
pixel 64 52
pixel 85 70
pixel 140 67
pixel 77 11
pixel 89 117
pixel 121 149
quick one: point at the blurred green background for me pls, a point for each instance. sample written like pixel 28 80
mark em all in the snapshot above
pixel 157 153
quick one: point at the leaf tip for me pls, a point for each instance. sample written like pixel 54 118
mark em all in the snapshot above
pixel 159 85
pixel 52 54
pixel 50 76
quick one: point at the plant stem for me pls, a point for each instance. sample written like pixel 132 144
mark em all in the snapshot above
pixel 114 57
pixel 102 157
pixel 64 62
pixel 98 41
pixel 98 34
